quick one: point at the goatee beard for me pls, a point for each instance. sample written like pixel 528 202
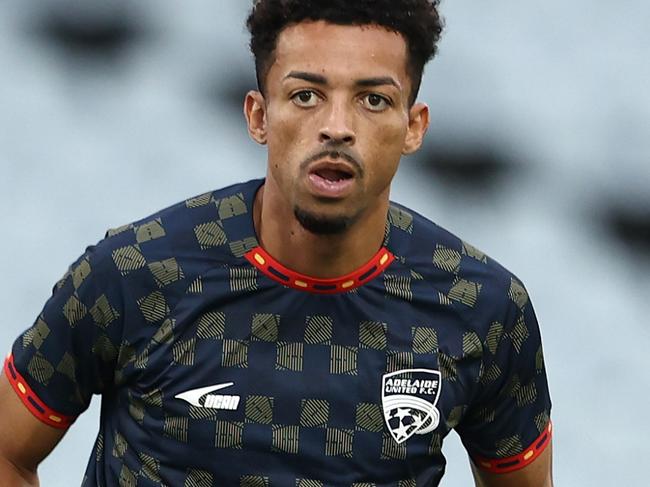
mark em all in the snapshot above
pixel 321 225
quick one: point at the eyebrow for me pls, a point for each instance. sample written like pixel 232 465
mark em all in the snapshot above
pixel 379 81
pixel 322 80
pixel 311 77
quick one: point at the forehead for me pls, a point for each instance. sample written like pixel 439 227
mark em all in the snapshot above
pixel 350 51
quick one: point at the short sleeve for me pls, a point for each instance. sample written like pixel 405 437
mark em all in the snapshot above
pixel 508 424
pixel 70 352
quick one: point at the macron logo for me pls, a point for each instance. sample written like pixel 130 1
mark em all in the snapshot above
pixel 203 398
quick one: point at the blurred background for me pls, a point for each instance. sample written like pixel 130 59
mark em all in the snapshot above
pixel 538 154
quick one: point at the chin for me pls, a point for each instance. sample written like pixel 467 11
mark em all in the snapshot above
pixel 323 224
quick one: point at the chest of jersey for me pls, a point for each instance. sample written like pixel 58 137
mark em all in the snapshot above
pixel 360 383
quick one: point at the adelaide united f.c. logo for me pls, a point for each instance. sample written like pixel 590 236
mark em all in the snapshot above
pixel 409 399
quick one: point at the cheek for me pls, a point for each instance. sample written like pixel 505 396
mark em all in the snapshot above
pixel 385 154
pixel 283 137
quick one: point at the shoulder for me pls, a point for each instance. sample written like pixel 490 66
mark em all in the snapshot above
pixel 207 222
pixel 179 242
pixel 467 279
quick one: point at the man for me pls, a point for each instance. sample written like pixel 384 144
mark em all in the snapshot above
pixel 299 330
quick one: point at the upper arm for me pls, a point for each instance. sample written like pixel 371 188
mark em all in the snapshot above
pixel 70 352
pixel 536 474
pixel 56 365
pixel 24 440
pixel 507 428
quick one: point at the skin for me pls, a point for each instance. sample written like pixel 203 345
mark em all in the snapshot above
pixel 351 72
pixel 332 87
pixel 24 440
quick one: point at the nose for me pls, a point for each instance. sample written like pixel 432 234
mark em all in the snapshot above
pixel 337 125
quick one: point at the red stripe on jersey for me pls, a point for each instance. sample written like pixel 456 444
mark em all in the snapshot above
pixel 516 462
pixel 31 401
pixel 271 268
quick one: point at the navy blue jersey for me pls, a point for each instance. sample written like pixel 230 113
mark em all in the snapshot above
pixel 218 366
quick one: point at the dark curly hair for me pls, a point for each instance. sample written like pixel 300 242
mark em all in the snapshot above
pixel 417 20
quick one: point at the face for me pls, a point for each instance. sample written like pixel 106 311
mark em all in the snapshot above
pixel 336 118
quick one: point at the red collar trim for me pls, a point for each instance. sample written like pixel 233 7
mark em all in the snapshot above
pixel 272 269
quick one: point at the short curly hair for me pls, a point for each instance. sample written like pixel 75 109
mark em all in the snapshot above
pixel 418 21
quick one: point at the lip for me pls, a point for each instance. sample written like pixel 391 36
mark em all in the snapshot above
pixel 326 188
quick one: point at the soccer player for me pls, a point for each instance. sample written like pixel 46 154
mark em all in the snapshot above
pixel 300 330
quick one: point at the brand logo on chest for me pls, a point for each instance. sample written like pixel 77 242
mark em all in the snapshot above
pixel 203 398
pixel 409 399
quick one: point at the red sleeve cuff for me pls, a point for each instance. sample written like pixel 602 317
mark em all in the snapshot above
pixel 31 400
pixel 516 462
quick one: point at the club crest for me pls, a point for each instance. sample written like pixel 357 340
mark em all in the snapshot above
pixel 409 399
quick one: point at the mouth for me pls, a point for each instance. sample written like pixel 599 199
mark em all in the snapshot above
pixel 332 175
pixel 331 179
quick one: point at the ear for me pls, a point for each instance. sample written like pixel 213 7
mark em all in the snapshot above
pixel 417 129
pixel 255 113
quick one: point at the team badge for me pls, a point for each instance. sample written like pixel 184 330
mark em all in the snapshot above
pixel 409 399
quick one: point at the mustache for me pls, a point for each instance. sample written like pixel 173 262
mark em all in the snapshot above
pixel 335 154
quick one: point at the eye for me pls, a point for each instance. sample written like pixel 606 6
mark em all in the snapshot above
pixel 375 102
pixel 305 99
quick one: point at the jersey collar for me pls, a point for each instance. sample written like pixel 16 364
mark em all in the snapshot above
pixel 272 269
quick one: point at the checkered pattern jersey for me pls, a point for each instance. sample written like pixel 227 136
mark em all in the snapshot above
pixel 186 299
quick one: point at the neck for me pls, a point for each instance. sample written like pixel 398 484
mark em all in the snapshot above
pixel 320 256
